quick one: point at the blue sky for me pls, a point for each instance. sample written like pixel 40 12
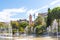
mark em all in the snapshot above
pixel 20 9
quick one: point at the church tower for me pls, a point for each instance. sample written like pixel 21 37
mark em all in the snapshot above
pixel 30 20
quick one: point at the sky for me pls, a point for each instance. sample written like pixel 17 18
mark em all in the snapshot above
pixel 21 9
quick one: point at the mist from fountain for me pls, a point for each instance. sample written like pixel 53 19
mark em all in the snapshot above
pixel 10 29
pixel 35 30
pixel 26 31
pixel 31 29
pixel 31 32
pixel 54 26
pixel 48 30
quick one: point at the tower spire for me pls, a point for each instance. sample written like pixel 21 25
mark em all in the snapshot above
pixel 30 20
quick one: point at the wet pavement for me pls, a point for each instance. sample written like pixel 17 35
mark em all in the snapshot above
pixel 34 38
pixel 28 37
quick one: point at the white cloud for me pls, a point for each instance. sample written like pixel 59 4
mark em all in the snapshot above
pixel 15 10
pixel 54 2
pixel 4 16
pixel 6 13
pixel 58 5
pixel 31 11
pixel 35 11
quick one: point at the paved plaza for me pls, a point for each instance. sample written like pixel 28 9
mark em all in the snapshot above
pixel 37 38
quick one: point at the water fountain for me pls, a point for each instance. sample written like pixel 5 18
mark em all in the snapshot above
pixel 35 30
pixel 48 30
pixel 54 26
pixel 10 29
pixel 25 31
pixel 7 33
pixel 31 29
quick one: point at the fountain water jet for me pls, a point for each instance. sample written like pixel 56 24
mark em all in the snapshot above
pixel 26 31
pixel 35 30
pixel 54 26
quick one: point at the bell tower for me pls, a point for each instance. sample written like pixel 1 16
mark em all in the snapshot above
pixel 30 20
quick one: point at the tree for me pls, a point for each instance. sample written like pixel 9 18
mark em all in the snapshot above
pixel 39 21
pixel 49 18
pixel 15 26
pixel 22 26
pixel 56 14
pixel 53 14
pixel 40 25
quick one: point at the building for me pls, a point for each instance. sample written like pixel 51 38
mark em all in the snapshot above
pixel 22 20
pixel 42 14
pixel 30 20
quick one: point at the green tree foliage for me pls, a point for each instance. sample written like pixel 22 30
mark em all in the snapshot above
pixel 15 26
pixel 53 14
pixel 40 25
pixel 3 25
pixel 56 14
pixel 22 26
pixel 40 29
pixel 39 21
pixel 49 18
